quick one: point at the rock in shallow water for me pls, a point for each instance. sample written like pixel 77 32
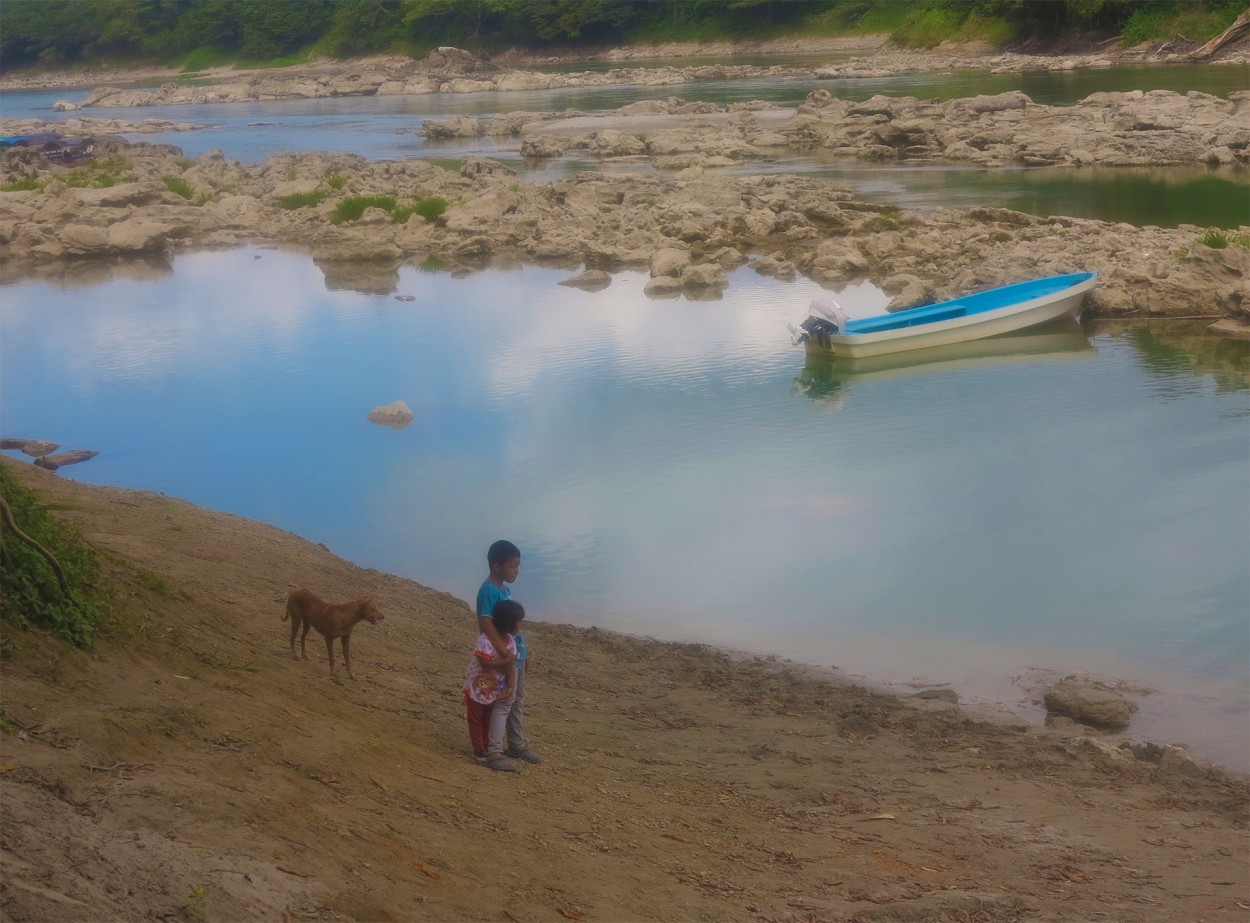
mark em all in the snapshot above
pixel 1090 703
pixel 396 415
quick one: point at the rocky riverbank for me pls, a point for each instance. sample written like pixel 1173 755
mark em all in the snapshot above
pixel 1158 128
pixel 187 768
pixel 454 70
pixel 688 230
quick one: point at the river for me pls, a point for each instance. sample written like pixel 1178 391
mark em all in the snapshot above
pixel 1062 502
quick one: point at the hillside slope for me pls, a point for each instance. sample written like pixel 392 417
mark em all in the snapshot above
pixel 188 769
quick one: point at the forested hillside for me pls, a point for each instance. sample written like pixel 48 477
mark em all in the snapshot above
pixel 200 33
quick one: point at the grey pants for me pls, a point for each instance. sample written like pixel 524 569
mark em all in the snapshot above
pixel 509 717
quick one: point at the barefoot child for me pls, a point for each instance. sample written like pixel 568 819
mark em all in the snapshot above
pixel 486 682
pixel 504 559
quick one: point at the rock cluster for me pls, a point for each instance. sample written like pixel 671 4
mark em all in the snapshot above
pixel 687 231
pixel 453 70
pixel 1157 128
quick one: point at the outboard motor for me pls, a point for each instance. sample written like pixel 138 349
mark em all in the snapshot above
pixel 825 318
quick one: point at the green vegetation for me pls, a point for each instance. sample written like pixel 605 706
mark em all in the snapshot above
pixel 30 591
pixel 303 199
pixel 180 186
pixel 183 188
pixel 1216 240
pixel 352 208
pixel 207 33
pixel 97 174
pixel 196 905
pixel 336 180
pixel 22 185
pixel 431 208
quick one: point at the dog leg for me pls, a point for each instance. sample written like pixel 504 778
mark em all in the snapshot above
pixel 295 623
pixel 330 651
pixel 303 640
pixel 347 657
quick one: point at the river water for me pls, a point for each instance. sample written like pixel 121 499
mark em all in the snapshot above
pixel 1064 501
pixel 1074 500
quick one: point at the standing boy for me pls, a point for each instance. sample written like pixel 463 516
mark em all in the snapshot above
pixel 508 716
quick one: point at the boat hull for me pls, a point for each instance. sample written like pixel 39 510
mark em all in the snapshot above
pixel 943 324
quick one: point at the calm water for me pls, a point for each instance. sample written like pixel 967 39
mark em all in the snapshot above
pixel 384 128
pixel 1063 501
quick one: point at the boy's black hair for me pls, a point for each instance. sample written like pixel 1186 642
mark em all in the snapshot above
pixel 502 550
pixel 507 615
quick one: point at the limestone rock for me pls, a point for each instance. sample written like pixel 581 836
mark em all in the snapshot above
pixel 592 280
pixel 669 262
pixel 37 448
pixel 459 126
pixel 73 457
pixel 396 415
pixel 663 287
pixel 1091 704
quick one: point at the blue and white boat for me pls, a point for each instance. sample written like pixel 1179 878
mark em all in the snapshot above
pixel 973 317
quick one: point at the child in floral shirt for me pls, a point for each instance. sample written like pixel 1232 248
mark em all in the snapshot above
pixel 485 681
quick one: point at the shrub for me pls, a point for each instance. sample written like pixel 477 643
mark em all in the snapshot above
pixel 22 185
pixel 30 593
pixel 336 180
pixel 180 186
pixel 352 207
pixel 431 208
pixel 303 199
pixel 1217 240
pixel 99 174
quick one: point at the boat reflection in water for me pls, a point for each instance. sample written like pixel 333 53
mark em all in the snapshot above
pixel 827 380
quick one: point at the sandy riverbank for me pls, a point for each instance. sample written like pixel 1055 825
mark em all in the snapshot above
pixel 188 768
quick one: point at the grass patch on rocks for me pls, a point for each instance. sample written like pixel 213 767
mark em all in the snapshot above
pixel 303 199
pixel 353 207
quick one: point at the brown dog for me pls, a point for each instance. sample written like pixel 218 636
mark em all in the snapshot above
pixel 305 609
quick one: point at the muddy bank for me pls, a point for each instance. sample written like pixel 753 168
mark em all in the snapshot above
pixel 188 768
pixel 688 230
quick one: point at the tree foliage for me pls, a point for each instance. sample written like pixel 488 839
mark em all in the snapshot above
pixel 69 31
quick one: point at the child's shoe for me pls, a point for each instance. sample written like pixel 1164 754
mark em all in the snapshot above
pixel 525 753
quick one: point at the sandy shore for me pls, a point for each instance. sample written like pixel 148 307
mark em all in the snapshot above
pixel 187 768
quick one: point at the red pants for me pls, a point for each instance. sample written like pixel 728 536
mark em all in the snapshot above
pixel 479 724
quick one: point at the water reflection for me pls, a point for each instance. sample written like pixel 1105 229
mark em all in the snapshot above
pixel 829 380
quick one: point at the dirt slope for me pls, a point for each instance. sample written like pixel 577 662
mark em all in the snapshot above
pixel 188 769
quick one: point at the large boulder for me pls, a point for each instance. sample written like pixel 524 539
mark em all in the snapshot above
pixel 1089 703
pixel 139 235
pixel 459 126
pixel 669 262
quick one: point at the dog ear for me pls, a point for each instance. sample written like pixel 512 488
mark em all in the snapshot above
pixel 366 599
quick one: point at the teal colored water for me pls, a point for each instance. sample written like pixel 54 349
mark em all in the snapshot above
pixel 1066 501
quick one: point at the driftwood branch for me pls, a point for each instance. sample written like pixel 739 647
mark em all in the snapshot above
pixel 1239 28
pixel 48 555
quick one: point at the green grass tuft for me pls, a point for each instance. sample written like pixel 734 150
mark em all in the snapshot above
pixel 303 199
pixel 431 208
pixel 30 594
pixel 336 180
pixel 180 186
pixel 23 185
pixel 352 207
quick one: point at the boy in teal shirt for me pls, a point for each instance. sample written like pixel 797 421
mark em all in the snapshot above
pixel 508 716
